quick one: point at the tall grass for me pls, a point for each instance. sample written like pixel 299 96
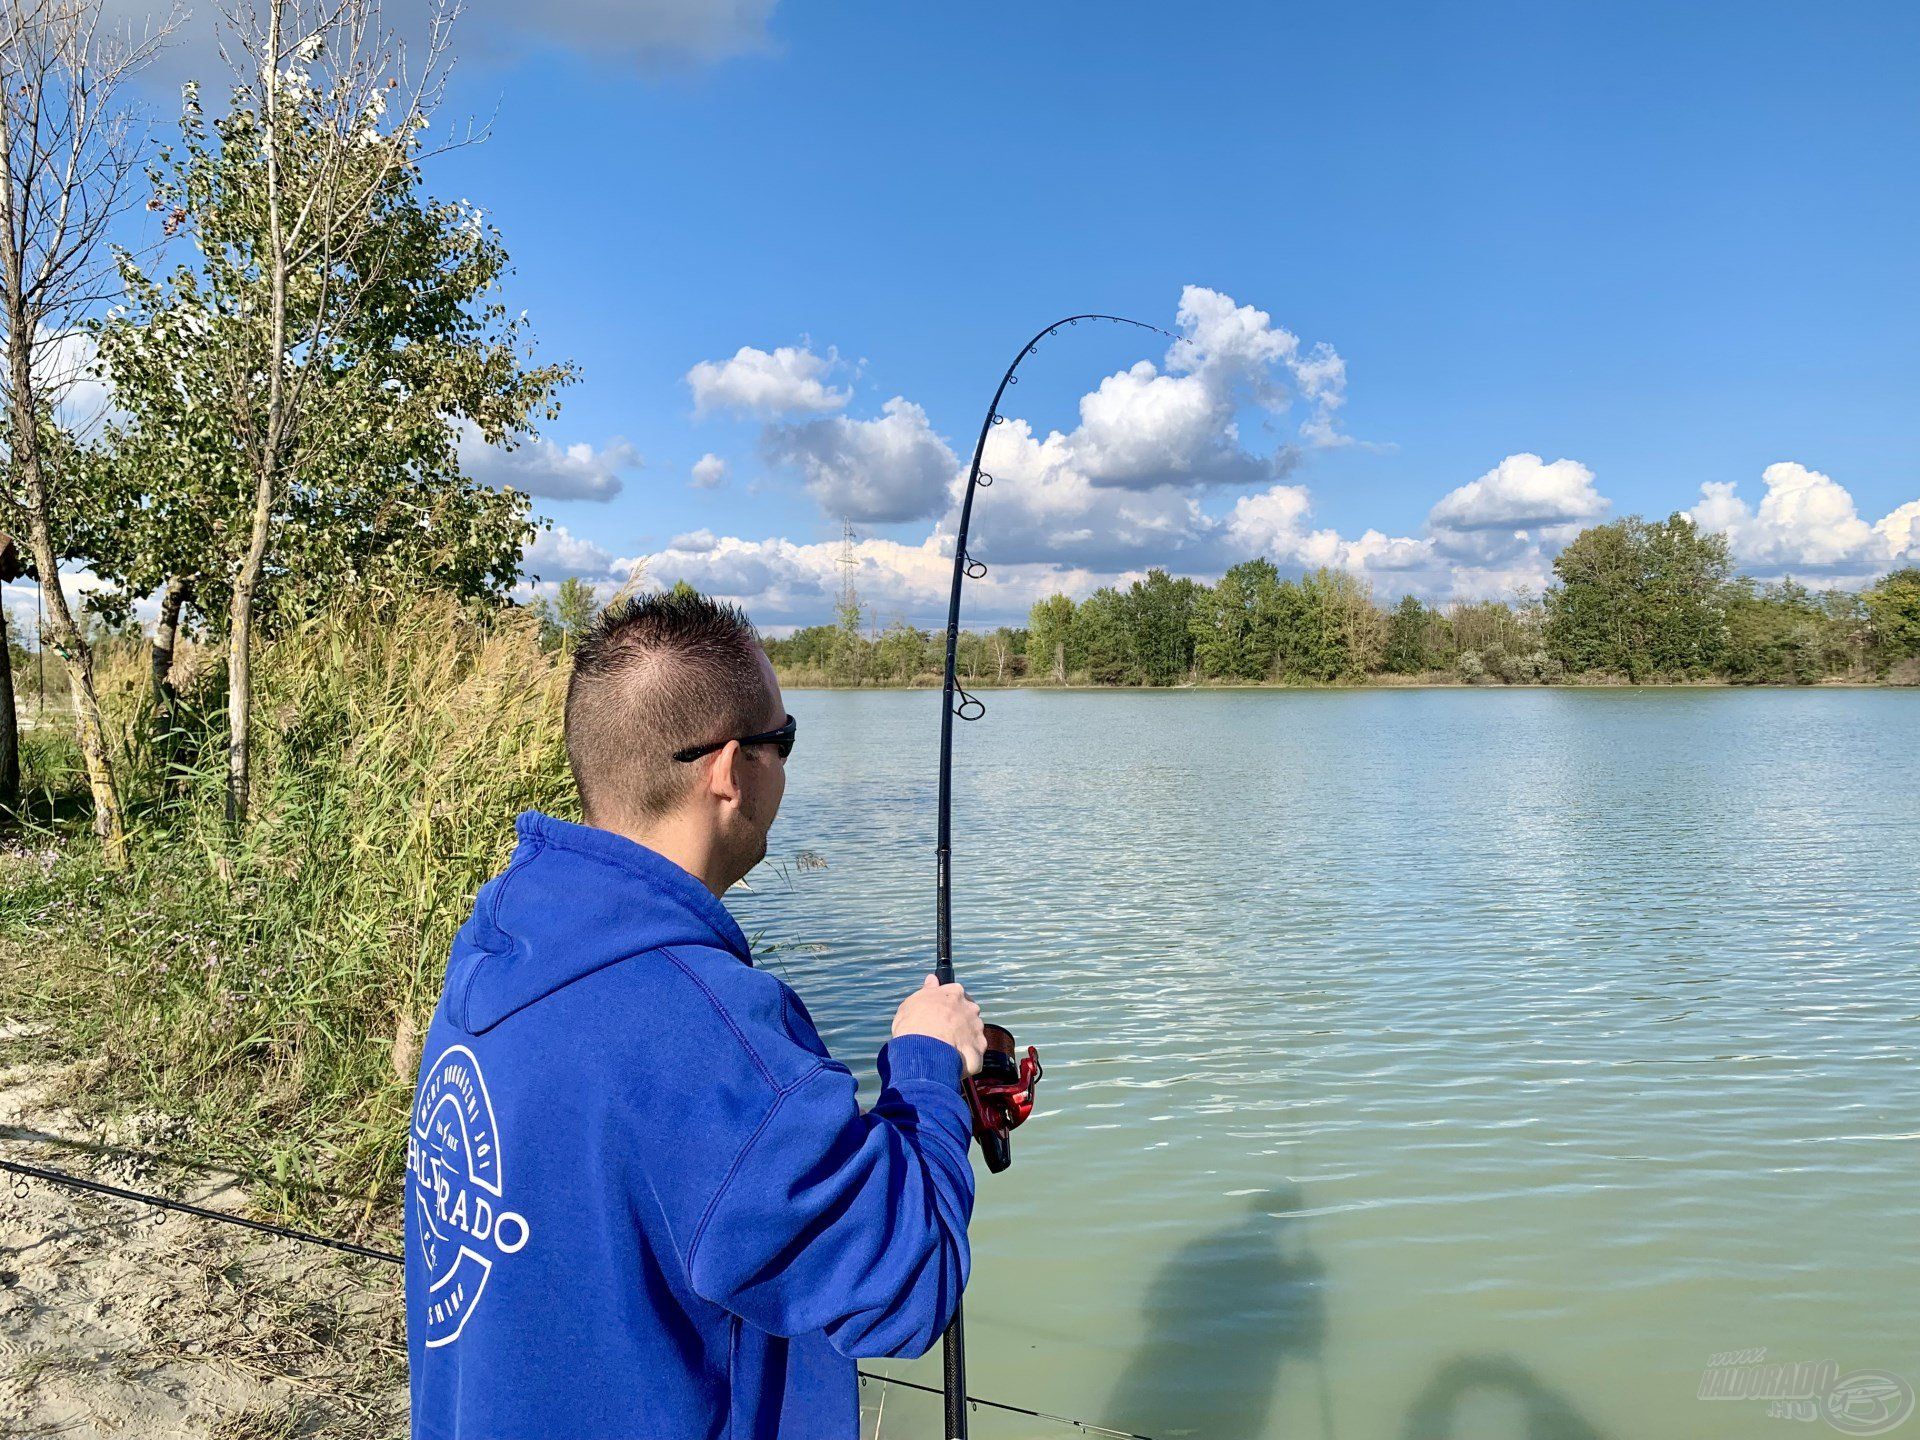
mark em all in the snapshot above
pixel 270 989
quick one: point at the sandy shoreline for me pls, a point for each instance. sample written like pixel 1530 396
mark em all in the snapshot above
pixel 114 1321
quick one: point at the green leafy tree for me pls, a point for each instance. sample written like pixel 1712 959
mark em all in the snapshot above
pixel 1773 634
pixel 575 604
pixel 903 653
pixel 1686 574
pixel 295 392
pixel 1159 614
pixel 1409 649
pixel 1050 639
pixel 809 649
pixel 1237 623
pixel 1640 599
pixel 1329 628
pixel 1100 630
pixel 1008 649
pixel 848 662
pixel 1894 608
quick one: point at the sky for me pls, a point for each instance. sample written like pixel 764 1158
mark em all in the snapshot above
pixel 1449 281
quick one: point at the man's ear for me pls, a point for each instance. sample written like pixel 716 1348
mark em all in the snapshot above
pixel 723 772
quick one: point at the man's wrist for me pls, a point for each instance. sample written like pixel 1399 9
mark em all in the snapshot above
pixel 921 1057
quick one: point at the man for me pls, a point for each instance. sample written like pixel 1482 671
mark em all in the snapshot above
pixel 642 1199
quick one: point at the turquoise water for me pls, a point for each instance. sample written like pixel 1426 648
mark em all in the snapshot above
pixel 1419 1063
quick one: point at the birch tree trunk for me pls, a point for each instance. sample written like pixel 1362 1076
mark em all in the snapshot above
pixel 70 161
pixel 60 626
pixel 9 726
pixel 166 634
pixel 267 460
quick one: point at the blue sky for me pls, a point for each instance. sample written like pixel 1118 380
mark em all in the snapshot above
pixel 1576 261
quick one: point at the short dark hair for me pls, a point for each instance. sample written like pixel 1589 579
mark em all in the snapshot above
pixel 652 674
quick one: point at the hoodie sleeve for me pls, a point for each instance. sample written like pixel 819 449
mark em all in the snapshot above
pixel 851 1223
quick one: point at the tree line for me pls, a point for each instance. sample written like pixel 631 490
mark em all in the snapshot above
pixel 1635 600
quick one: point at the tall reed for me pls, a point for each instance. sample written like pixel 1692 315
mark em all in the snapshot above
pixel 270 988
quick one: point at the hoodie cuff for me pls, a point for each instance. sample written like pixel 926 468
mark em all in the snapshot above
pixel 920 1057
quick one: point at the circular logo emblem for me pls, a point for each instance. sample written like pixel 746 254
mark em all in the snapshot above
pixel 1868 1402
pixel 459 1186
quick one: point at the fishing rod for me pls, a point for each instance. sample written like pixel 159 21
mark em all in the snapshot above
pixel 1001 1097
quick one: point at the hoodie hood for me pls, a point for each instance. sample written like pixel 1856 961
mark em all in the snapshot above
pixel 573 900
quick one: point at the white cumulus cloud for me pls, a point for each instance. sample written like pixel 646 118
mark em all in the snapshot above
pixel 790 380
pixel 885 470
pixel 1806 523
pixel 1148 426
pixel 709 472
pixel 1522 492
pixel 1899 531
pixel 1044 507
pixel 559 554
pixel 542 468
pixel 783 582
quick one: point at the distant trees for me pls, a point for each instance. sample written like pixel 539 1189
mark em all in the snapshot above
pixel 1894 608
pixel 1236 624
pixel 1050 638
pixel 1159 615
pixel 1641 599
pixel 565 618
pixel 1329 628
pixel 1632 600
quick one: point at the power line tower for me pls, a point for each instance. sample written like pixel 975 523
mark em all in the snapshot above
pixel 847 646
pixel 848 606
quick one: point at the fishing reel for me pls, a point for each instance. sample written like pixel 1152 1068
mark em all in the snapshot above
pixel 1001 1096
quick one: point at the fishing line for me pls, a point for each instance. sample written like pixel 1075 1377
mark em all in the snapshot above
pixel 161 1202
pixel 70 1181
pixel 957 702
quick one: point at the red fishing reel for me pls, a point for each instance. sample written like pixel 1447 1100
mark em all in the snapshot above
pixel 1001 1096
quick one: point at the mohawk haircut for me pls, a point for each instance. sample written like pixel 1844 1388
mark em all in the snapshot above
pixel 655 673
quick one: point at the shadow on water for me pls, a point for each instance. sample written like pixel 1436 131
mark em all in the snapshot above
pixel 1493 1397
pixel 1229 1318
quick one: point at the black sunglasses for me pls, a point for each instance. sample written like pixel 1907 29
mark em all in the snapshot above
pixel 781 740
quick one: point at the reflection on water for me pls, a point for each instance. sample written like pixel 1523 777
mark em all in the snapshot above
pixel 1391 1035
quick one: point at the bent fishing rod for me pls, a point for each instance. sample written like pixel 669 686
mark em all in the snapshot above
pixel 1001 1097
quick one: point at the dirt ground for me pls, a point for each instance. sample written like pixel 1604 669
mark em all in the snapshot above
pixel 125 1321
pixel 115 1321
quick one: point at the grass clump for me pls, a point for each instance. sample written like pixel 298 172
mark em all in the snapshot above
pixel 270 987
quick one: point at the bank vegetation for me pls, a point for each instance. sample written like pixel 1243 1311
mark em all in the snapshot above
pixel 1632 602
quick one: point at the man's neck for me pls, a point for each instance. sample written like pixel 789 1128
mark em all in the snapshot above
pixel 685 847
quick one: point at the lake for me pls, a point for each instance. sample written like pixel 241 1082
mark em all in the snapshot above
pixel 1475 1063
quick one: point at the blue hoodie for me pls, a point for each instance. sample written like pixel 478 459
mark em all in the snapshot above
pixel 642 1199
